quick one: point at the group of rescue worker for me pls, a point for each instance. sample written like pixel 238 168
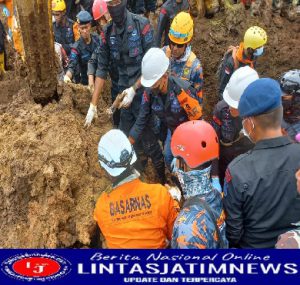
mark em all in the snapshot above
pixel 232 181
pixel 236 174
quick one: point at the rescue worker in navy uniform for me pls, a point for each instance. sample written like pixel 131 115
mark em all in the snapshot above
pixel 83 49
pixel 126 39
pixel 102 18
pixel 228 123
pixel 290 86
pixel 246 53
pixel 171 99
pixel 65 30
pixel 167 13
pixel 260 192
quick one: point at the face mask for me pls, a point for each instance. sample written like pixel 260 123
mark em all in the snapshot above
pixel 195 182
pixel 245 133
pixel 258 52
pixel 118 13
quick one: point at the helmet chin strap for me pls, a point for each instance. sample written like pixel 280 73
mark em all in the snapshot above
pixel 127 172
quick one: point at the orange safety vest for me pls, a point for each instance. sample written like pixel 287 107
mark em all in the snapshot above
pixel 238 56
pixel 136 215
pixel 76 31
pixel 186 70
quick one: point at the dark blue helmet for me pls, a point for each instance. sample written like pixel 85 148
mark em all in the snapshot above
pixel 290 82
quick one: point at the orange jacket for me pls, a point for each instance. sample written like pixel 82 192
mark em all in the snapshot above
pixel 136 215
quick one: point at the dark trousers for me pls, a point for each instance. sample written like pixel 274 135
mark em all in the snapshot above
pixel 148 145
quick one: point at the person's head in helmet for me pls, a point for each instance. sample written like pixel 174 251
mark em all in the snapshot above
pixel 116 155
pixel 255 40
pixel 84 20
pixel 194 144
pixel 117 10
pixel 180 34
pixel 154 75
pixel 59 11
pixel 234 89
pixel 290 87
pixel 100 13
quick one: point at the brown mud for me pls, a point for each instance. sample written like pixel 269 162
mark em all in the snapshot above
pixel 49 174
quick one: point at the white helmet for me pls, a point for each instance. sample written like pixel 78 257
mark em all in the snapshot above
pixel 238 82
pixel 115 153
pixel 154 65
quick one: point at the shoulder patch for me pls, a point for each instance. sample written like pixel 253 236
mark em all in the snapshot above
pixel 146 29
pixel 163 11
pixel 228 176
pixel 217 120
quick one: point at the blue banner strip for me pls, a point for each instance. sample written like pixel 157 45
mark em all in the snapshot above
pixel 89 267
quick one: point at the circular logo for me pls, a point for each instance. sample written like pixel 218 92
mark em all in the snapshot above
pixel 36 267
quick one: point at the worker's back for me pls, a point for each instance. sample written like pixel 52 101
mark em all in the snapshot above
pixel 136 215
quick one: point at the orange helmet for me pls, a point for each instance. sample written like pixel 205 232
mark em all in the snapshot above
pixel 196 142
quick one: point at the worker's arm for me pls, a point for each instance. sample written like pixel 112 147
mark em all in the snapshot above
pixel 91 72
pixel 99 83
pixel 171 211
pixel 143 117
pixel 101 75
pixel 225 76
pixel 161 26
pixel 233 205
pixel 197 81
pixel 73 63
pixel 147 34
pixel 216 123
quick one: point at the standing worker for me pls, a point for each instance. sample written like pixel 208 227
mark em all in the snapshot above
pixel 102 18
pixel 227 122
pixel 290 86
pixel 246 53
pixel 167 13
pixel 131 214
pixel 126 39
pixel 260 192
pixel 201 221
pixel 171 99
pixel 183 62
pixel 83 49
pixel 65 30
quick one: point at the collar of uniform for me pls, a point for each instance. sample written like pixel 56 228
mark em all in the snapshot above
pixel 272 143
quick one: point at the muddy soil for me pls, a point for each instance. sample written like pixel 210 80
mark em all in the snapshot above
pixel 49 174
pixel 214 36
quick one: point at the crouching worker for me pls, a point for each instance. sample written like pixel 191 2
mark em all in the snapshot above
pixel 201 222
pixel 132 214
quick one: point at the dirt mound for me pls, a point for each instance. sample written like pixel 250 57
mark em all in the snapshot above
pixel 213 37
pixel 49 177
